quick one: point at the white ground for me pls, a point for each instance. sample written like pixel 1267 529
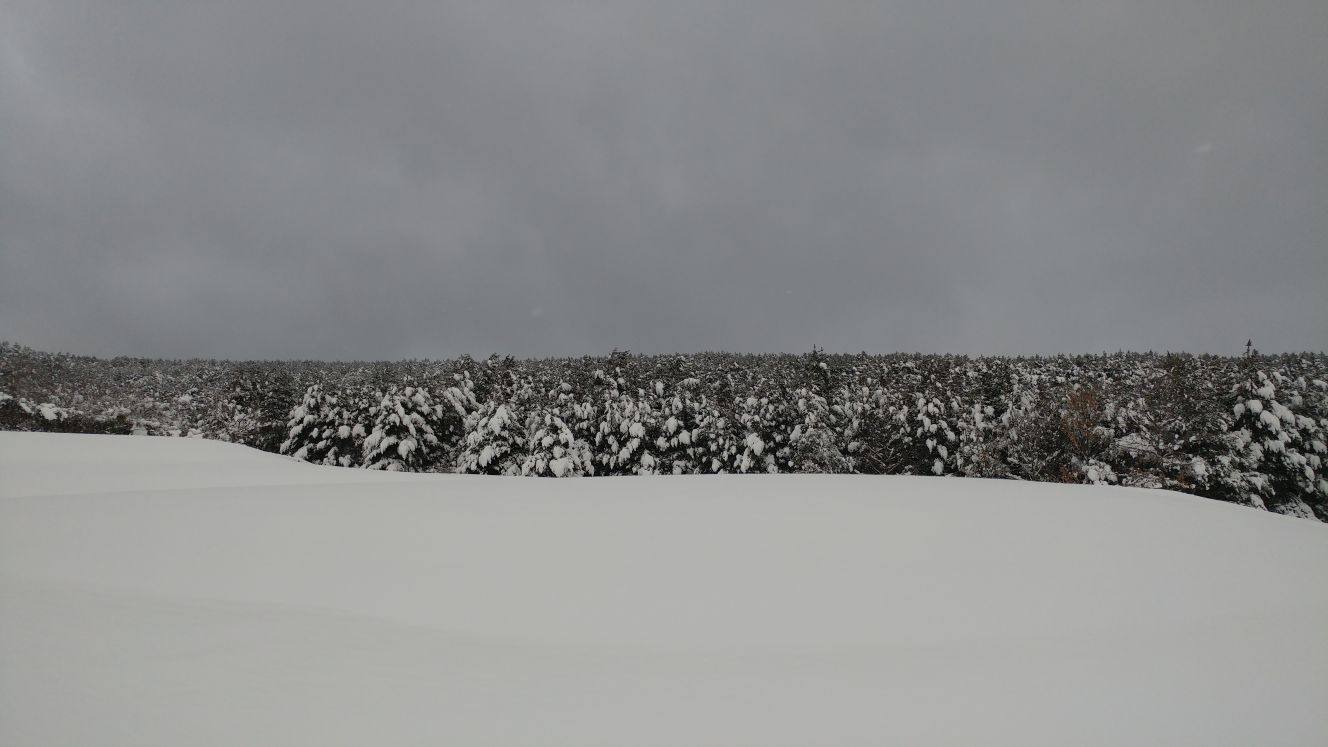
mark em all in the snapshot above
pixel 177 592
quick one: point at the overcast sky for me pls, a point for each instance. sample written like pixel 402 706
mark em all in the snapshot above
pixel 383 179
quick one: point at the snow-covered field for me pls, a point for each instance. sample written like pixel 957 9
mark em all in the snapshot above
pixel 159 591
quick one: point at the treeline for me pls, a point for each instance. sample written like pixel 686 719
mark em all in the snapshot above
pixel 1248 429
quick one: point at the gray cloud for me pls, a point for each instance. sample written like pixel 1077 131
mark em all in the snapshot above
pixel 327 179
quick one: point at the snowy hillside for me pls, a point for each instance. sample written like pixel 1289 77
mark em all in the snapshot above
pixel 159 591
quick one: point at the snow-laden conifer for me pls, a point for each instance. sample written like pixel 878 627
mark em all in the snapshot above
pixel 402 437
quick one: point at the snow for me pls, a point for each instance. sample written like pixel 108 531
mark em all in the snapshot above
pixel 500 420
pixel 162 591
pixel 51 412
pixel 755 443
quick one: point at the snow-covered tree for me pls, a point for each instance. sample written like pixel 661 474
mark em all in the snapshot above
pixel 627 432
pixel 254 409
pixel 402 437
pixel 307 426
pixel 553 450
pixel 495 441
pixel 1278 452
pixel 326 428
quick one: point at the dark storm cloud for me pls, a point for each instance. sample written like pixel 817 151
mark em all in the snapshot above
pixel 319 179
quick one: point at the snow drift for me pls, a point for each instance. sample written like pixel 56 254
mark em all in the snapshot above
pixel 158 591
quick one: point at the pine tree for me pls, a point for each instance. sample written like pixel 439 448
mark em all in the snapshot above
pixel 682 417
pixel 310 428
pixel 402 438
pixel 819 440
pixel 1276 451
pixel 256 406
pixel 762 425
pixel 627 434
pixel 495 442
pixel 553 450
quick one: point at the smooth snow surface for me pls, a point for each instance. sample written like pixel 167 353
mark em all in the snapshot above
pixel 162 591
